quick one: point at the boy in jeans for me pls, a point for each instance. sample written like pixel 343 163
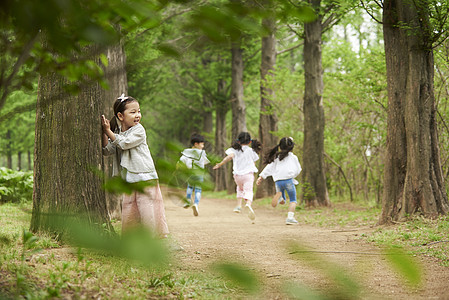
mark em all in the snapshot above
pixel 195 158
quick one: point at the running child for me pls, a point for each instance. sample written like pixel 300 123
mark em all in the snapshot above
pixel 243 157
pixel 283 166
pixel 195 158
pixel 125 138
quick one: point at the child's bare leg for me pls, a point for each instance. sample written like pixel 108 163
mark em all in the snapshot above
pixel 238 208
pixel 250 211
pixel 291 207
pixel 275 200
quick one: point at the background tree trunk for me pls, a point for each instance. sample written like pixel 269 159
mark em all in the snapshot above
pixel 221 174
pixel 8 150
pixel 238 107
pixel 313 173
pixel 67 149
pixel 268 119
pixel 19 160
pixel 413 180
pixel 118 84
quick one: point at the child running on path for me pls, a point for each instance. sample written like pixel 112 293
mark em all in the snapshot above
pixel 195 158
pixel 243 157
pixel 125 138
pixel 284 166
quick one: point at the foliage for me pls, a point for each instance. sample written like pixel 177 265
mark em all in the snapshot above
pixel 17 127
pixel 15 186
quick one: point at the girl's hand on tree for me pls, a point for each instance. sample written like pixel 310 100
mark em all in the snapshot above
pixel 217 166
pixel 259 180
pixel 105 123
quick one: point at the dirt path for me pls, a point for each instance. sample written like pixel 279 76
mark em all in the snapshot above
pixel 218 233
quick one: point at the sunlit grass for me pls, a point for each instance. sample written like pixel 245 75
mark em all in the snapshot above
pixel 46 269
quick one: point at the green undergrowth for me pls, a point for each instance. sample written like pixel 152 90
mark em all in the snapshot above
pixel 422 236
pixel 39 267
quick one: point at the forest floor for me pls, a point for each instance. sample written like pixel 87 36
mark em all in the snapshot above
pixel 219 234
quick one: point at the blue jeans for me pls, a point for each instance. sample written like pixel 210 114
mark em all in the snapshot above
pixel 194 184
pixel 286 186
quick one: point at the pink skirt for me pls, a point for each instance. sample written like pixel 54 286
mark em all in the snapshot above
pixel 145 209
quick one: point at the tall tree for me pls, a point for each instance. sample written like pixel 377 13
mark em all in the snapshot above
pixel 313 174
pixel 413 181
pixel 115 73
pixel 268 119
pixel 222 107
pixel 67 148
pixel 237 102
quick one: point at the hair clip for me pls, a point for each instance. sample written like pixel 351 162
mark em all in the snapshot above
pixel 122 98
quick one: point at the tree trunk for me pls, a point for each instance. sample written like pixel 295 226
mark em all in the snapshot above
pixel 268 119
pixel 238 107
pixel 116 76
pixel 413 180
pixel 19 160
pixel 67 150
pixel 29 160
pixel 221 178
pixel 8 150
pixel 313 174
pixel 208 123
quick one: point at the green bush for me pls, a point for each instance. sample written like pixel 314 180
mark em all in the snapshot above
pixel 15 186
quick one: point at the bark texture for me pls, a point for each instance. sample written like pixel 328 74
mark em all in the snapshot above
pixel 413 180
pixel 116 76
pixel 238 107
pixel 268 119
pixel 313 174
pixel 67 149
pixel 221 174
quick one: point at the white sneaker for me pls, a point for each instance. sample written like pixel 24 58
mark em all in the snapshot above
pixel 186 203
pixel 251 214
pixel 291 221
pixel 238 209
pixel 195 209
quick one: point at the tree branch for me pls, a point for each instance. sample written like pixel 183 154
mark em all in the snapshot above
pixel 343 173
pixel 20 61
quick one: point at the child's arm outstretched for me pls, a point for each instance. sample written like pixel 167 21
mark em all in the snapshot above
pixel 225 160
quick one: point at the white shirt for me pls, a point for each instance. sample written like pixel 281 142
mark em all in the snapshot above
pixel 287 168
pixel 194 157
pixel 132 153
pixel 243 161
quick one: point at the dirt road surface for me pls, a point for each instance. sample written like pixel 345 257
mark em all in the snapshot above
pixel 219 233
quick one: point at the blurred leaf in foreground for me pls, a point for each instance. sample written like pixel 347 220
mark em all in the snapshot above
pixel 405 265
pixel 239 275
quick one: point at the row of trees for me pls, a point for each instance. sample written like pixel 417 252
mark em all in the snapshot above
pixel 206 79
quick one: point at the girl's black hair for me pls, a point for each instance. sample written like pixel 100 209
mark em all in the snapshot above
pixel 196 138
pixel 119 107
pixel 244 138
pixel 285 145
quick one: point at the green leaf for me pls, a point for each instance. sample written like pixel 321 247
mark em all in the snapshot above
pixel 238 275
pixel 404 264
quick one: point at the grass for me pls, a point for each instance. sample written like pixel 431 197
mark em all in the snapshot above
pixel 38 267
